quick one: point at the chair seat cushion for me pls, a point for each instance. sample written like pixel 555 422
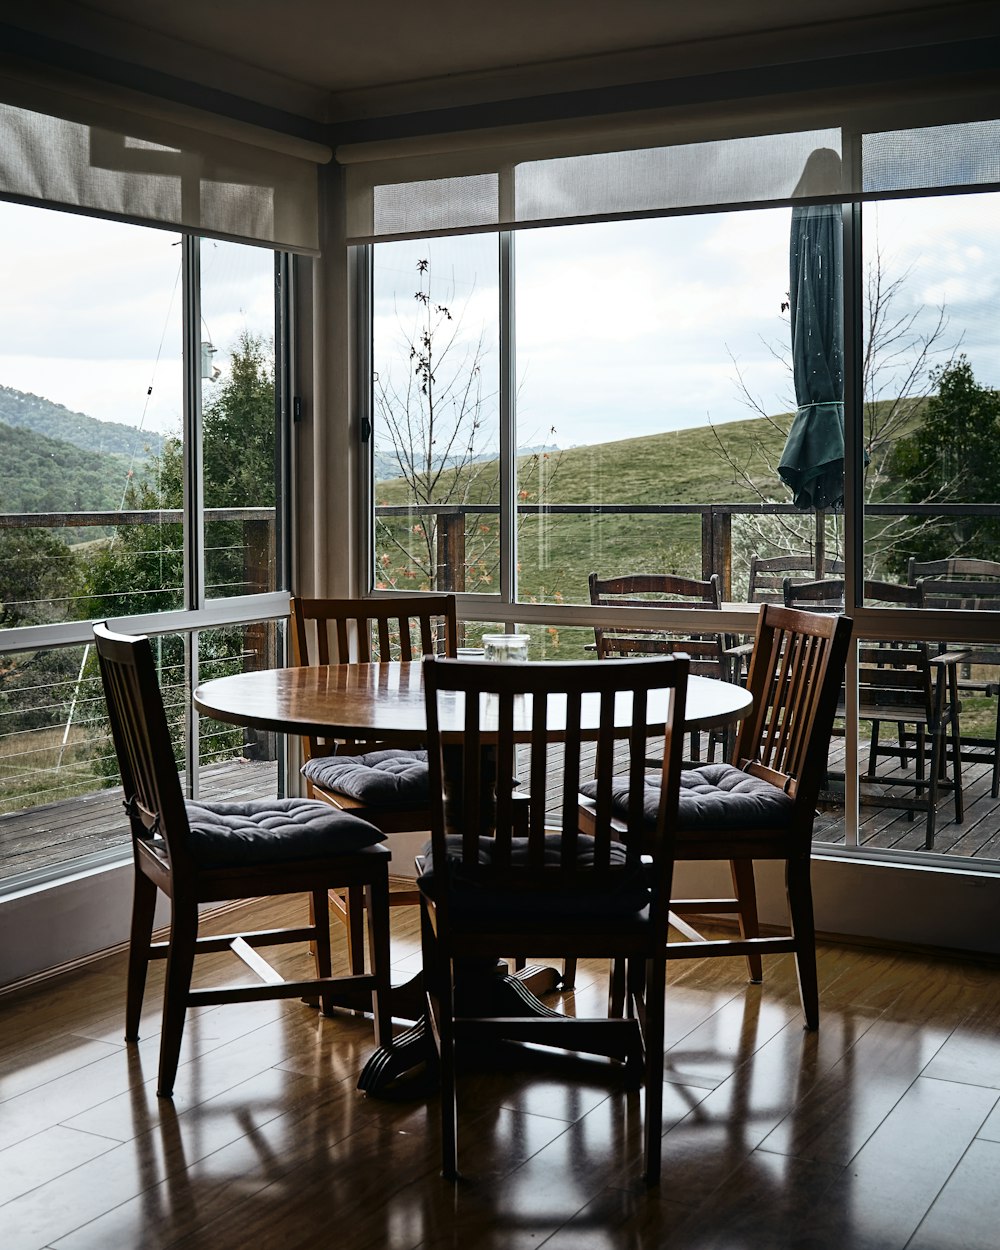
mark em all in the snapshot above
pixel 620 891
pixel 713 797
pixel 274 831
pixel 377 778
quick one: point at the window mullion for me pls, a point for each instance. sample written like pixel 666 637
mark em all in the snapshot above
pixel 194 511
pixel 508 435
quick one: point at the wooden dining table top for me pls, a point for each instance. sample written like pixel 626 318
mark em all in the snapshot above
pixel 385 701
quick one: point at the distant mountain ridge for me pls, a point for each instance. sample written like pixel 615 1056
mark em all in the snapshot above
pixel 25 411
pixel 55 460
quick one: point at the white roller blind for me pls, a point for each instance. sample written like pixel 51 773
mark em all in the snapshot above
pixel 130 157
pixel 440 188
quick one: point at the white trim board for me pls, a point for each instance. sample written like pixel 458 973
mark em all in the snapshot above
pixel 951 909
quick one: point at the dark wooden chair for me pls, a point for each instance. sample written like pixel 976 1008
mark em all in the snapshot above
pixel 767 574
pixel 818 595
pixel 212 852
pixel 762 805
pixel 382 783
pixel 963 584
pixel 708 651
pixel 904 684
pixel 497 879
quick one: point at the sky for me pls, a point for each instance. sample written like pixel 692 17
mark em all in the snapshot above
pixel 640 327
pixel 90 312
pixel 621 328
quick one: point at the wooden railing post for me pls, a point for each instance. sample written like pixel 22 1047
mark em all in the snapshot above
pixel 717 547
pixel 450 550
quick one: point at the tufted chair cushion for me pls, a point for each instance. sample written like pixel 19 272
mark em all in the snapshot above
pixel 377 778
pixel 273 831
pixel 619 892
pixel 715 796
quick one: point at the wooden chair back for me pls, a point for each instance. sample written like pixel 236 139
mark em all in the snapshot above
pixel 767 574
pixel 796 672
pixel 154 799
pixel 474 788
pixel 645 590
pixel 363 631
pixel 960 567
pixel 824 595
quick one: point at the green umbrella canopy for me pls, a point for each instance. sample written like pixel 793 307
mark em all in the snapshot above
pixel 812 463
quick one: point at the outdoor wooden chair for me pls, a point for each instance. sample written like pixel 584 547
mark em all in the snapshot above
pixel 971 586
pixel 904 684
pixel 498 879
pixel 707 651
pixel 818 595
pixel 767 574
pixel 382 783
pixel 763 804
pixel 200 853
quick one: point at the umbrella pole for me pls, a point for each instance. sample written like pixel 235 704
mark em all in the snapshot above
pixel 820 544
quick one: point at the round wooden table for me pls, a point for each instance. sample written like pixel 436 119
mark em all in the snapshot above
pixel 385 702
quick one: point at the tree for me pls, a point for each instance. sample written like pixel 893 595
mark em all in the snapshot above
pixel 953 457
pixel 432 404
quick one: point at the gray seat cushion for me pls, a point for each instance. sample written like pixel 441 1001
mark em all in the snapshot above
pixel 274 831
pixel 386 778
pixel 620 891
pixel 715 796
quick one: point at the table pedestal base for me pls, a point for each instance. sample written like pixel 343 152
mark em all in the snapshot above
pixel 498 995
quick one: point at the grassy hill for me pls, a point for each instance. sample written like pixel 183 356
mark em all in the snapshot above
pixel 731 463
pixel 556 553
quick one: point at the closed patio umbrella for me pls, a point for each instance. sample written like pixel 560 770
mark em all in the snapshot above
pixel 812 463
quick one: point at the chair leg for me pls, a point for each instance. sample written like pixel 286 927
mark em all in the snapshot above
pixel 616 989
pixel 355 901
pixel 377 896
pixel 995 787
pixel 321 944
pixel 798 886
pixel 143 907
pixel 956 767
pixel 873 749
pixel 180 961
pixel 746 891
pixel 653 1037
pixel 441 1019
pixel 569 974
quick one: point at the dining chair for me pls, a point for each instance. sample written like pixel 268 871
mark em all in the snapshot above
pixel 767 574
pixel 762 805
pixel 964 584
pixel 199 853
pixel 382 783
pixel 496 878
pixel 707 651
pixel 904 684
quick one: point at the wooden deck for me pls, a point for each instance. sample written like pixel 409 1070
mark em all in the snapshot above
pixel 57 833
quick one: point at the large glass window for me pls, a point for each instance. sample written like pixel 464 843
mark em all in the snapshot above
pixel 676 395
pixel 114 456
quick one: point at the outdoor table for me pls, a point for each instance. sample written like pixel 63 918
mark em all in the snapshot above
pixel 384 702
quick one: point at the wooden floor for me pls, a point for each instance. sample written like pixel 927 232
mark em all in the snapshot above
pixel 880 1131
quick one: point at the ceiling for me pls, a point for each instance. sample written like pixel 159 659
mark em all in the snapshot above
pixel 330 60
